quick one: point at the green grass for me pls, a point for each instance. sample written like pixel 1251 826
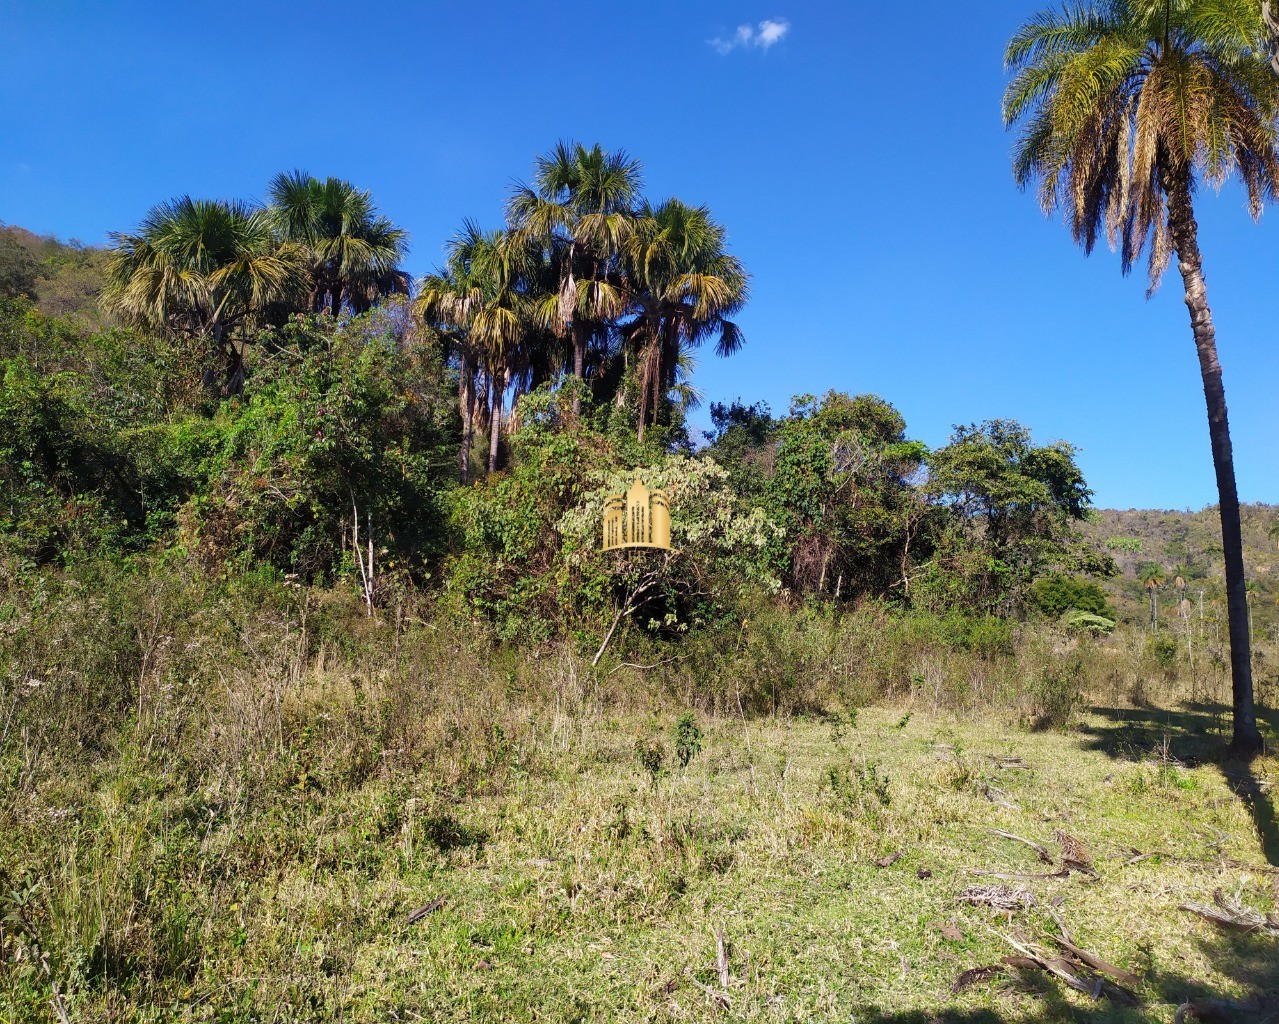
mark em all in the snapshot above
pixel 575 885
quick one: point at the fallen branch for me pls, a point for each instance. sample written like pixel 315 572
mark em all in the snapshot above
pixel 1216 1011
pixel 1013 876
pixel 975 976
pixel 998 797
pixel 433 907
pixel 721 999
pixel 721 958
pixel 1041 851
pixel 1074 972
pixel 1010 763
pixel 1227 914
pixel 1097 963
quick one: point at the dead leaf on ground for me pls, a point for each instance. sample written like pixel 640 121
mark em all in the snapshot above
pixel 975 976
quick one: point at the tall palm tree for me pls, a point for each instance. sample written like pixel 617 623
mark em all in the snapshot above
pixel 1124 107
pixel 446 300
pixel 578 211
pixel 355 253
pixel 207 270
pixel 1152 575
pixel 684 287
pixel 481 301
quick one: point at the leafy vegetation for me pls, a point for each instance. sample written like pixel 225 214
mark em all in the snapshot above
pixel 309 708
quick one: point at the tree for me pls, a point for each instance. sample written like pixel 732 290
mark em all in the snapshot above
pixel 1152 577
pixel 481 300
pixel 684 286
pixel 207 270
pixel 1125 106
pixel 578 211
pixel 354 253
pixel 19 270
pixel 1014 502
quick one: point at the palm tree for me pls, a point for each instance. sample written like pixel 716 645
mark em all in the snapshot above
pixel 355 253
pixel 1125 105
pixel 207 270
pixel 579 213
pixel 481 302
pixel 1153 576
pixel 684 286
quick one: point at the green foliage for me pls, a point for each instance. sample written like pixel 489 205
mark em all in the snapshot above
pixel 1014 504
pixel 339 421
pixel 859 789
pixel 19 269
pixel 688 738
pixel 1057 594
pixel 1129 544
pixel 1086 622
pixel 1163 649
pixel 1056 696
pixel 836 477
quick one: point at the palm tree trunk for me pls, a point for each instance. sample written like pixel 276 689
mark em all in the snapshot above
pixel 579 331
pixel 1181 221
pixel 466 402
pixel 495 420
pixel 1270 14
pixel 645 371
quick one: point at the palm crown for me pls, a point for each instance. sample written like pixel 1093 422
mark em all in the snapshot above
pixel 684 286
pixel 579 212
pixel 1121 103
pixel 207 269
pixel 355 253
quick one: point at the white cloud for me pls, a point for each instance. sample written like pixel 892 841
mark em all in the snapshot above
pixel 769 32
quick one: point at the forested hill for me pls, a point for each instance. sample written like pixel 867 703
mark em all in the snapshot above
pixel 1186 544
pixel 64 278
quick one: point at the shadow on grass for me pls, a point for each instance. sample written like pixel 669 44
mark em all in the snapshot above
pixel 1194 734
pixel 1248 959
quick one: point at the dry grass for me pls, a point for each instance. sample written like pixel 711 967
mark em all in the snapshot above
pixel 574 886
pixel 234 823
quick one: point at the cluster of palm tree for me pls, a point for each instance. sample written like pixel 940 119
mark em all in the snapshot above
pixel 217 271
pixel 588 279
pixel 1125 106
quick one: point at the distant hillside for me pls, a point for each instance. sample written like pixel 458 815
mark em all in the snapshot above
pixel 63 277
pixel 1187 544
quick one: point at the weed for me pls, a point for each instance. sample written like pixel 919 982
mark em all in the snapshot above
pixel 688 738
pixel 651 755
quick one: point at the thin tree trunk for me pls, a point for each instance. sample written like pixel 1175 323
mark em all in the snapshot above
pixel 466 402
pixel 495 420
pixel 1181 220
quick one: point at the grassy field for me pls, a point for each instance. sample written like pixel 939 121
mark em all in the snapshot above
pixel 588 875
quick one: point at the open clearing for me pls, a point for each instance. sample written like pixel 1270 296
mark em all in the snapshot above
pixel 576 886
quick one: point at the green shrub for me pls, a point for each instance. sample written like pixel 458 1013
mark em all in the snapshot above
pixel 688 738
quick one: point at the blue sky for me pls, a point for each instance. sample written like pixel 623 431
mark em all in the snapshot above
pixel 854 151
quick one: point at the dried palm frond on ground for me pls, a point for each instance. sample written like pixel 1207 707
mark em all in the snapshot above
pixel 1231 914
pixel 1005 898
